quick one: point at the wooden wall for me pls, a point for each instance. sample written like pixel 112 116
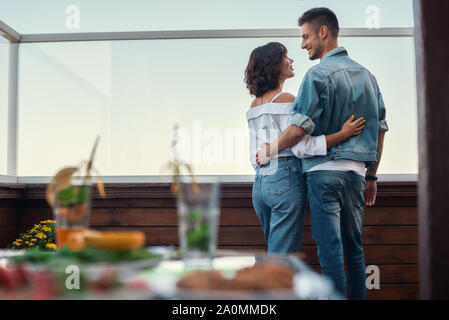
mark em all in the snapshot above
pixel 11 200
pixel 390 228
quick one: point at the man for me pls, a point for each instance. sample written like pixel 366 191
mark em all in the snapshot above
pixel 332 91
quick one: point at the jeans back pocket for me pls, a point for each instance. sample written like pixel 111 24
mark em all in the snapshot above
pixel 279 182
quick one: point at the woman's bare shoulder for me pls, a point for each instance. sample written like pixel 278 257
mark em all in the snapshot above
pixel 255 103
pixel 285 97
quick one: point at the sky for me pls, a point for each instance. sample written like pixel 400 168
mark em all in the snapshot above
pixel 133 92
pixel 48 16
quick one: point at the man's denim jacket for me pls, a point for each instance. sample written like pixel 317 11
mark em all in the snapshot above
pixel 330 93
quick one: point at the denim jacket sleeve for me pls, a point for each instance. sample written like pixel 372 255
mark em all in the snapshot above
pixel 307 104
pixel 383 126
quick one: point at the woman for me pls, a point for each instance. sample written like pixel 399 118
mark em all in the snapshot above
pixel 279 190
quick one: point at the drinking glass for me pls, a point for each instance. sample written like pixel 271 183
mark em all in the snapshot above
pixel 198 213
pixel 72 211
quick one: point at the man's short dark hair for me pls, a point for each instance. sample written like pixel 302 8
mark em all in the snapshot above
pixel 318 17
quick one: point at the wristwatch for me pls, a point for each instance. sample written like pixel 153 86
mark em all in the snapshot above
pixel 370 178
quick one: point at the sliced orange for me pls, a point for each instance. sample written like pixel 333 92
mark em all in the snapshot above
pixel 75 239
pixel 116 240
pixel 60 181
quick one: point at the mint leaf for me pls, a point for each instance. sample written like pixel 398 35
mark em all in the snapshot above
pixel 67 196
pixel 83 194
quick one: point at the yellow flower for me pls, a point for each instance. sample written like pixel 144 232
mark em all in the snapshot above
pixel 50 246
pixel 43 231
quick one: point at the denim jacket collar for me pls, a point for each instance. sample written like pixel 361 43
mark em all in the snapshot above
pixel 334 52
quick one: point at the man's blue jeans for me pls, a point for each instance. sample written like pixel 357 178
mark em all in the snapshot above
pixel 279 198
pixel 336 207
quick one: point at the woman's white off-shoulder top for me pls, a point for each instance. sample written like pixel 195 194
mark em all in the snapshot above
pixel 266 123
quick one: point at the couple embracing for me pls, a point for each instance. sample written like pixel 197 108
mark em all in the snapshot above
pixel 322 148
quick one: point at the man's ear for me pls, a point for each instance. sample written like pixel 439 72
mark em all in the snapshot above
pixel 323 32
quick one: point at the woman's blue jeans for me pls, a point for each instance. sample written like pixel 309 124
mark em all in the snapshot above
pixel 336 208
pixel 279 198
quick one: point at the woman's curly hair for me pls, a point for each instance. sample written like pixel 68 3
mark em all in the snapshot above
pixel 264 68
